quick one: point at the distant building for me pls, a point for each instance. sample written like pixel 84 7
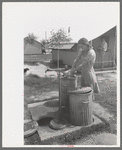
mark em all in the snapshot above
pixel 68 51
pixel 32 48
pixel 111 53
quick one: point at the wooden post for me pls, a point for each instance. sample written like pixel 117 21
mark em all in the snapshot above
pixel 115 45
pixel 45 35
pixel 60 105
pixel 59 123
pixel 58 59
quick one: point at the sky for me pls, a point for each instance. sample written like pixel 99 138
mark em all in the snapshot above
pixel 85 19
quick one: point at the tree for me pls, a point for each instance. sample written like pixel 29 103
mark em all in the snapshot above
pixel 59 37
pixel 30 38
pixel 44 42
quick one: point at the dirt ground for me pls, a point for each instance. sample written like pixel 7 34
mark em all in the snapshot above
pixel 39 85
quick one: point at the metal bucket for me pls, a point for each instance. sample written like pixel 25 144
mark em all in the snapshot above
pixel 80 103
pixel 67 84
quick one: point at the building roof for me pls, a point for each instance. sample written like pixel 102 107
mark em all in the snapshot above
pixel 34 40
pixel 64 46
pixel 103 33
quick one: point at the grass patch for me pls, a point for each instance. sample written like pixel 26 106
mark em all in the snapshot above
pixel 35 87
pixel 35 82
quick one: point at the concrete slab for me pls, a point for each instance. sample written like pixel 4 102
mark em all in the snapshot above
pixel 49 109
pixel 47 134
pixel 44 109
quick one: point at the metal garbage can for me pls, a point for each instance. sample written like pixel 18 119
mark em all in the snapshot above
pixel 67 83
pixel 80 103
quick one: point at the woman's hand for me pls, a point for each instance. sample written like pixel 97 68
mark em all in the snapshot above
pixel 72 71
pixel 69 73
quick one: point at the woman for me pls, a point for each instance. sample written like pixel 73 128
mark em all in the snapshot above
pixel 87 57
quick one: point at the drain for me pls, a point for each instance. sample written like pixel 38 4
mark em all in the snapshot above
pixel 44 121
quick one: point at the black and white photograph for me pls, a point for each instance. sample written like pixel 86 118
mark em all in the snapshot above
pixel 67 76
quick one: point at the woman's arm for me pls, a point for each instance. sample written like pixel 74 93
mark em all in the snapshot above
pixel 71 71
pixel 76 69
pixel 89 58
pixel 79 67
pixel 76 59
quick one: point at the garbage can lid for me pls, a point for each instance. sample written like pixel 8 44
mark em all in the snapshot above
pixel 83 90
